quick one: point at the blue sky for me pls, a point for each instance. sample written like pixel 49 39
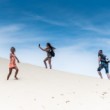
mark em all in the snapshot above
pixel 77 28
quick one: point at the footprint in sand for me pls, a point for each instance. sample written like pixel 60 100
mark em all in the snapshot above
pixel 67 101
pixel 35 99
pixel 104 93
pixel 53 97
pixel 62 94
pixel 97 85
pixel 74 92
pixel 43 106
pixel 8 96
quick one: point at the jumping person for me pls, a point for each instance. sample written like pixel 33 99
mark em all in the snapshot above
pixel 50 53
pixel 103 63
pixel 12 64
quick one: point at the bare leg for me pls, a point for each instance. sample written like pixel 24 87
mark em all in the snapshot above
pixel 16 73
pixel 10 71
pixel 49 61
pixel 100 74
pixel 108 75
pixel 45 62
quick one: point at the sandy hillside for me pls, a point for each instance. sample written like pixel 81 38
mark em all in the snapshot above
pixel 41 89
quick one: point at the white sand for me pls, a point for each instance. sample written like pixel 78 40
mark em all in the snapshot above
pixel 41 89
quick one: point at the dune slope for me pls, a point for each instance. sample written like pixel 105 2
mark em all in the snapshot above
pixel 41 89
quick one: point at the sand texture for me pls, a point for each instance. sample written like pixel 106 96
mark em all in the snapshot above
pixel 43 89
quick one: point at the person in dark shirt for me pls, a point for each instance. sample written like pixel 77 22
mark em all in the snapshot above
pixel 103 63
pixel 50 53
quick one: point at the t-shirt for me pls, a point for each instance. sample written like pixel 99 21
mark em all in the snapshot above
pixel 103 58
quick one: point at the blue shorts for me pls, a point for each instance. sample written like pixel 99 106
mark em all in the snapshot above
pixel 105 66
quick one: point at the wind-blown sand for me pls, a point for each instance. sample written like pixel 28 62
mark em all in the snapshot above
pixel 41 89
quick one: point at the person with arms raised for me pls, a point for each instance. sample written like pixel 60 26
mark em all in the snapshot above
pixel 50 53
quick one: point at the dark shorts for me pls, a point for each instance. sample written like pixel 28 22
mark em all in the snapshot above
pixel 49 57
pixel 105 66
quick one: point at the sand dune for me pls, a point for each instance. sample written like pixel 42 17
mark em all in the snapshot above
pixel 41 89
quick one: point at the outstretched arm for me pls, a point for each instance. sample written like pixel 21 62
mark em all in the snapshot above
pixel 17 59
pixel 42 48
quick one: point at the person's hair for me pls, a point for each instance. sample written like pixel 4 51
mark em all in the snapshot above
pixel 100 52
pixel 50 46
pixel 13 48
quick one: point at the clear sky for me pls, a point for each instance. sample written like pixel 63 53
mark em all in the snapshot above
pixel 77 28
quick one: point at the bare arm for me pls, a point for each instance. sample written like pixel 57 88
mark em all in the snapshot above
pixel 42 48
pixel 10 55
pixel 17 59
pixel 99 60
